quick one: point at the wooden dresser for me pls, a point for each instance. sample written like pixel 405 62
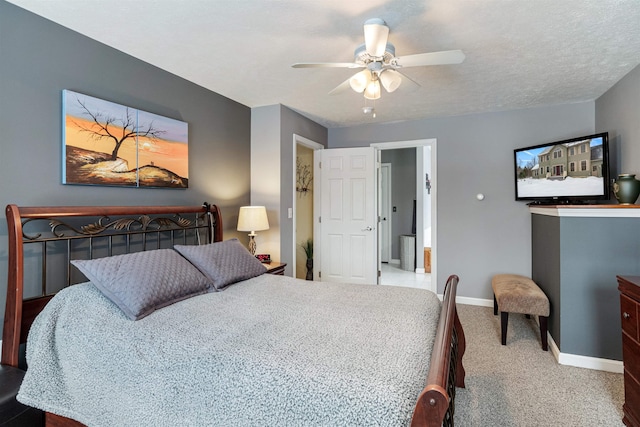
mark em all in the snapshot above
pixel 629 287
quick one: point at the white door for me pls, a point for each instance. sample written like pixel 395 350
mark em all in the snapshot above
pixel 348 233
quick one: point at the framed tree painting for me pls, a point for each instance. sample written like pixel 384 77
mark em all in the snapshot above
pixel 110 144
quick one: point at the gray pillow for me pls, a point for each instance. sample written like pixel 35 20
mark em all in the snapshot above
pixel 142 282
pixel 224 263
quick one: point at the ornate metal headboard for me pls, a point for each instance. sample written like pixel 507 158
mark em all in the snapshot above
pixel 51 236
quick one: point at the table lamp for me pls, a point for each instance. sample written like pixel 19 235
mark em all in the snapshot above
pixel 252 218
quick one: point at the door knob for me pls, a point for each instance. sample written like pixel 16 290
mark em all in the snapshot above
pixel 368 228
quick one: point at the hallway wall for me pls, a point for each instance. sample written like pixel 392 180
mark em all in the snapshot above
pixel 403 193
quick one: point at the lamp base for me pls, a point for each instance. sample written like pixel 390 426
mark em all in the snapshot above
pixel 252 244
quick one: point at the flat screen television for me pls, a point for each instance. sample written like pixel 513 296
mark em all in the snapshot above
pixel 570 171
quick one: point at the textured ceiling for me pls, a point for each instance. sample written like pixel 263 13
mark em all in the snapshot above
pixel 519 53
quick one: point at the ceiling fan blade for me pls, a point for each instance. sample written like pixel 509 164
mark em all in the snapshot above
pixel 327 65
pixel 341 87
pixel 376 34
pixel 431 58
pixel 408 80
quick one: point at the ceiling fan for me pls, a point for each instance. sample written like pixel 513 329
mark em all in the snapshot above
pixel 377 57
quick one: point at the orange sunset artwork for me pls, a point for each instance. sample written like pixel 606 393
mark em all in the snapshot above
pixel 111 144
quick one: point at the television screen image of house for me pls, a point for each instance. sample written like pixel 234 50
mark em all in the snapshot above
pixel 569 169
pixel 106 143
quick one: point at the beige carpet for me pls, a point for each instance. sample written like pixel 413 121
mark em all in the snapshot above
pixel 521 385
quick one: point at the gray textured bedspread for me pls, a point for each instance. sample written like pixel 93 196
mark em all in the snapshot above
pixel 269 351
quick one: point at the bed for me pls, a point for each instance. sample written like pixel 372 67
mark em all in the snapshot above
pixel 228 346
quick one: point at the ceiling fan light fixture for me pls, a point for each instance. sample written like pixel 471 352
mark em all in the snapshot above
pixel 390 80
pixel 376 33
pixel 373 90
pixel 360 81
pixel 378 58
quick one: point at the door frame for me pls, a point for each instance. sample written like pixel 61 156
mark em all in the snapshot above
pixel 431 143
pixel 385 236
pixel 306 142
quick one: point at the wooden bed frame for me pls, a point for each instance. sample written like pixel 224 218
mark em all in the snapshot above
pixel 435 404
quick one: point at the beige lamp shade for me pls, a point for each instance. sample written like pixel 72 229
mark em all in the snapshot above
pixel 253 218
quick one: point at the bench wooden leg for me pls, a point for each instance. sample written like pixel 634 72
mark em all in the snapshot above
pixel 495 305
pixel 504 319
pixel 543 332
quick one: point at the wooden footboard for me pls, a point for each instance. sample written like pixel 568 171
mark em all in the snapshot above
pixel 435 406
pixel 53 420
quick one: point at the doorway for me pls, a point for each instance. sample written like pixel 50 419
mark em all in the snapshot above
pixel 385 212
pixel 425 234
pixel 413 181
pixel 304 198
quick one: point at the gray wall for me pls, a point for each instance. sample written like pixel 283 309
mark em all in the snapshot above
pixel 38 59
pixel 546 268
pixel 265 178
pixel 618 112
pixel 575 261
pixel 592 252
pixel 292 123
pixel 403 193
pixel 272 172
pixel 475 155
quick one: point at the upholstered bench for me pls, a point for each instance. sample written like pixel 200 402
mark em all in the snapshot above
pixel 513 293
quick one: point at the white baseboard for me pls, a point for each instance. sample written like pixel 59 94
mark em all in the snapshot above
pixel 420 271
pixel 471 301
pixel 394 261
pixel 475 301
pixel 587 362
pixel 576 360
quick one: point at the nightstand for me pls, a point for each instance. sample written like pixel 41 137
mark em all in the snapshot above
pixel 275 267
